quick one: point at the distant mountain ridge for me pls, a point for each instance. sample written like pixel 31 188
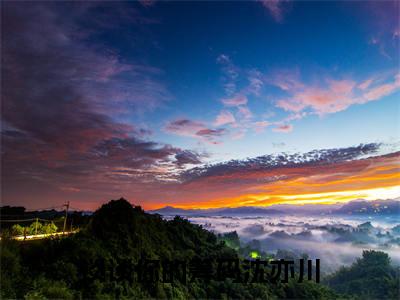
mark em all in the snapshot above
pixel 356 207
pixel 362 207
pixel 248 210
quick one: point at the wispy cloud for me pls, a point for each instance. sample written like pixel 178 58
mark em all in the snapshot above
pixel 235 101
pixel 194 129
pixel 210 134
pixel 241 120
pixel 230 73
pixel 147 3
pixel 224 117
pixel 245 112
pixel 332 95
pixel 261 125
pixel 275 8
pixel 283 128
pixel 255 82
pixel 383 26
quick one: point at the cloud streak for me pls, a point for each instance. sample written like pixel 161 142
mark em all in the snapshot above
pixel 331 95
pixel 283 128
pixel 320 176
pixel 194 129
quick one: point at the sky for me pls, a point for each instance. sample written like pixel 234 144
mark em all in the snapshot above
pixel 199 104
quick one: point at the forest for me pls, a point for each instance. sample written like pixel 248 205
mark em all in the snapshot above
pixel 88 264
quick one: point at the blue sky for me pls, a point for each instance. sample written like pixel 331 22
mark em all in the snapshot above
pixel 315 40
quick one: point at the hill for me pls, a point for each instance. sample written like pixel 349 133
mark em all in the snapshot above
pixel 370 277
pixel 357 207
pixel 376 207
pixel 223 211
pixel 101 262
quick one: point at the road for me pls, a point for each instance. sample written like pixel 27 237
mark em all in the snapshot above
pixel 42 236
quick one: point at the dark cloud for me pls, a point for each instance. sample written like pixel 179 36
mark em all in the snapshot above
pixel 61 91
pixel 62 99
pixel 211 132
pixel 187 157
pixel 273 161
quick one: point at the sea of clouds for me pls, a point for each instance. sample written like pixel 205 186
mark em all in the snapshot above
pixel 335 240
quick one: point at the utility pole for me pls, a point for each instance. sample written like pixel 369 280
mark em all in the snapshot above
pixel 36 226
pixel 66 205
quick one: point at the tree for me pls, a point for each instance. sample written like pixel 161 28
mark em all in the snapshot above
pixel 34 228
pixel 17 230
pixel 49 228
pixel 370 277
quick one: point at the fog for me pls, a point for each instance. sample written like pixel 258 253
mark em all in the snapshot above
pixel 335 240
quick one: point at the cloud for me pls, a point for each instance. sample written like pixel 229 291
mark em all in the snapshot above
pixel 63 102
pixel 396 33
pixel 260 126
pixel 188 157
pixel 210 133
pixel 184 127
pixel 286 80
pixel 381 46
pixel 382 22
pixel 255 82
pixel 235 101
pixel 319 176
pixel 230 73
pixel 147 3
pixel 275 8
pixel 331 96
pixel 70 189
pixel 63 92
pixel 224 117
pixel 278 145
pixel 335 240
pixel 195 129
pixel 365 84
pixel 283 128
pixel 244 112
pixel 268 162
pixel 241 122
pixel 381 90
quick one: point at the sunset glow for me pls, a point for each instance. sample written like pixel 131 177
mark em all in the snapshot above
pixel 369 179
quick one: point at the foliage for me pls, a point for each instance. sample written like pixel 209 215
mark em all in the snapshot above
pixel 370 277
pixel 34 228
pixel 49 228
pixel 17 230
pixel 231 239
pixel 47 289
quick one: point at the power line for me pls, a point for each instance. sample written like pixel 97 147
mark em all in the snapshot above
pixel 40 210
pixel 27 220
pixel 37 212
pixel 24 220
pixel 45 208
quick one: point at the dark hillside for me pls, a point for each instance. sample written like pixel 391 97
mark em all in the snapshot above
pixel 101 262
